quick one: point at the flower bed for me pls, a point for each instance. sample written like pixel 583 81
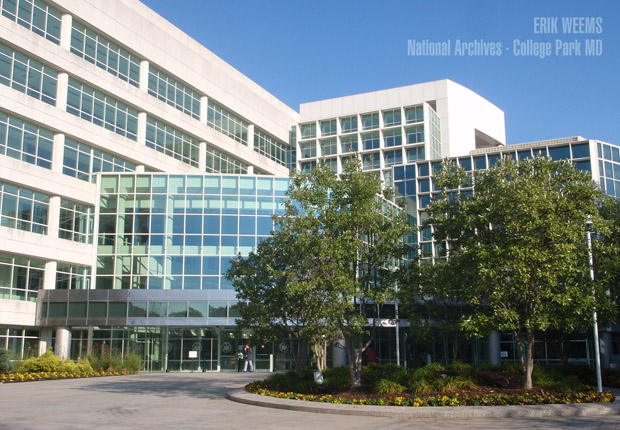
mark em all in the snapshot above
pixel 453 399
pixel 42 376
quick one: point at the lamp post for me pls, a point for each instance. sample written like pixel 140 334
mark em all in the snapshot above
pixel 597 353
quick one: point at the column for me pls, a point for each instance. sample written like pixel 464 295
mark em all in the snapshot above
pixel 89 342
pixel 53 220
pixel 63 342
pixel 251 136
pixel 61 91
pixel 494 348
pixel 202 156
pixel 49 276
pixel 204 104
pixel 65 31
pixel 140 168
pixel 144 76
pixel 46 339
pixel 58 152
pixel 250 170
pixel 142 128
pixel 606 349
pixel 339 354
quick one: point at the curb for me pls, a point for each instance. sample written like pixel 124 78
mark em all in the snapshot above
pixel 521 411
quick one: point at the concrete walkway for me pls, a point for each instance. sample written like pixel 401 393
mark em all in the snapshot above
pixel 180 401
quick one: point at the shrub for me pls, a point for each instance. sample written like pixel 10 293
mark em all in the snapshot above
pixel 132 363
pixel 373 373
pixel 430 372
pixel 388 387
pixel 337 378
pixel 47 362
pixel 106 362
pixel 461 369
pixel 289 382
pixel 421 386
pixel 455 383
pixel 5 361
pixel 552 378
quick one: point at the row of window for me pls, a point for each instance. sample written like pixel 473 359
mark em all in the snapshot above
pixel 391 138
pixel 193 184
pixel 102 110
pixel 19 341
pixel 227 123
pixel 76 222
pixel 24 141
pixel 35 15
pixel 171 142
pixel 204 309
pixel 268 146
pixel 219 162
pixel 98 50
pixel 84 162
pixel 173 92
pixel 370 121
pixel 21 278
pixel 27 75
pixel 70 277
pixel 23 209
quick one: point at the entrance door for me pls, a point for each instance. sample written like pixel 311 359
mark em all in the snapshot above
pixel 209 351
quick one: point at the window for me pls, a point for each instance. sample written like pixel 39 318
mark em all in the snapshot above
pixel 23 209
pixel 415 134
pixel 24 141
pixel 308 149
pixel 348 124
pixel 328 128
pixel 174 93
pixel 101 110
pixel 414 114
pixel 329 146
pixel 348 143
pixel 42 19
pixel 27 75
pixel 227 123
pixel 371 161
pixel 391 118
pixel 392 138
pixel 332 163
pixel 96 49
pixel 392 158
pixel 70 277
pixel 84 162
pixel 370 121
pixel 172 142
pixel 308 131
pixel 307 166
pixel 21 278
pixel 370 141
pixel 270 147
pixel 76 222
pixel 218 162
pixel 414 154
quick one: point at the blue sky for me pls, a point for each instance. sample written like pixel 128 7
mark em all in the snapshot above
pixel 302 51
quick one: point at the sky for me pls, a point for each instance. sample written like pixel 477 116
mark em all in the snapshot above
pixel 304 51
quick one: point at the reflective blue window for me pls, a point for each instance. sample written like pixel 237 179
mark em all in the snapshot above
pixel 211 224
pixel 264 226
pixel 229 224
pixel 247 225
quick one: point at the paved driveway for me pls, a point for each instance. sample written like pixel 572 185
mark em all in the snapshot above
pixel 179 401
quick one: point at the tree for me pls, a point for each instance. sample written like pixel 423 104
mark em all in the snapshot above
pixel 332 258
pixel 515 247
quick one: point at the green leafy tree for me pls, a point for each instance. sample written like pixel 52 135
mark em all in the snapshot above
pixel 331 260
pixel 607 258
pixel 515 247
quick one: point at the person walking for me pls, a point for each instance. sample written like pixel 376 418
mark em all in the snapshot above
pixel 248 358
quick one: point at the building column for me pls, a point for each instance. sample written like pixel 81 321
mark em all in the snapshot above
pixel 144 76
pixel 46 339
pixel 89 342
pixel 61 91
pixel 65 31
pixel 204 104
pixel 140 168
pixel 63 342
pixel 58 152
pixel 494 348
pixel 339 354
pixel 53 219
pixel 49 276
pixel 250 170
pixel 251 136
pixel 202 156
pixel 606 349
pixel 142 128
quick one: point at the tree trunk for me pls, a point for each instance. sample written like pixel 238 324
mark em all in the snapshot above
pixel 529 358
pixel 354 355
